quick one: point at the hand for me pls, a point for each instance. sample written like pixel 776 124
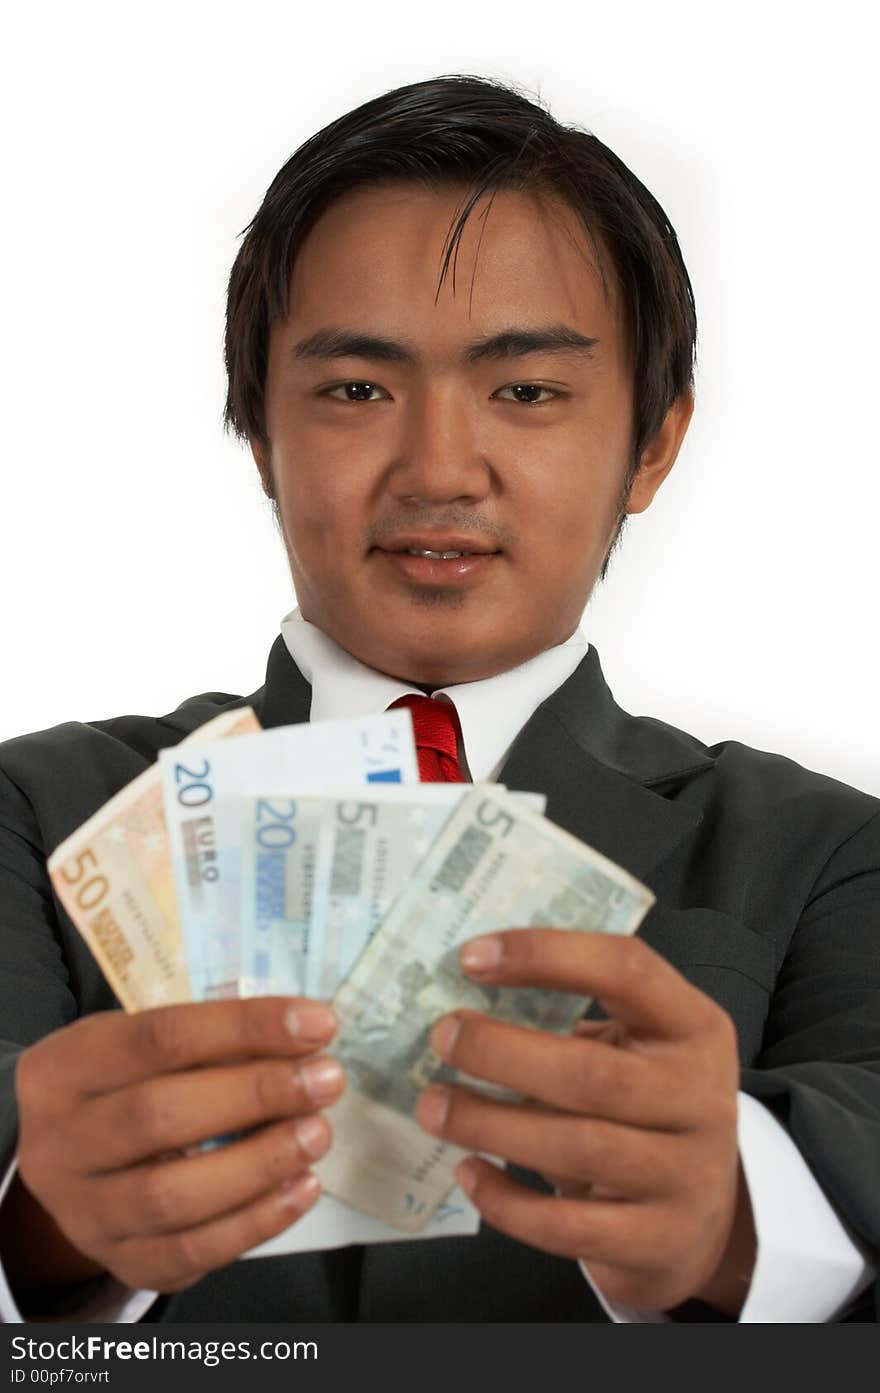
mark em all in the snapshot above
pixel 634 1120
pixel 108 1104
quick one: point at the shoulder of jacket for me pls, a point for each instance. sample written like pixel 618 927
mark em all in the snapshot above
pixel 779 784
pixel 137 732
pixel 67 771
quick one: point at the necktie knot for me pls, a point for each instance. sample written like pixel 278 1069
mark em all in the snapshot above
pixel 437 734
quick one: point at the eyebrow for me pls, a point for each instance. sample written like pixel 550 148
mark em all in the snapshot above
pixel 508 343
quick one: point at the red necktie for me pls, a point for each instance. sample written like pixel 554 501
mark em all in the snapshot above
pixel 437 733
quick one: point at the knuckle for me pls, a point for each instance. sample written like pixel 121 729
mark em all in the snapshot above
pixel 253 1023
pixel 157 1199
pixel 187 1257
pixel 460 1121
pixel 263 1223
pixel 161 1035
pixel 578 1234
pixel 597 1076
pixel 485 1195
pixel 521 948
pixel 465 1040
pixel 282 1156
pixel 527 953
pixel 32 1081
pixel 273 1086
pixel 588 1147
pixel 636 959
pixel 151 1116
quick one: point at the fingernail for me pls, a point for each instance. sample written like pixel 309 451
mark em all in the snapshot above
pixel 321 1078
pixel 310 1021
pixel 313 1136
pixel 432 1107
pixel 444 1035
pixel 466 1175
pixel 481 954
pixel 300 1193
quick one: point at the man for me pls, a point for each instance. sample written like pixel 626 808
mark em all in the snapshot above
pixel 451 459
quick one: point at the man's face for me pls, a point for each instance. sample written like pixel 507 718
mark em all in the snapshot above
pixel 451 432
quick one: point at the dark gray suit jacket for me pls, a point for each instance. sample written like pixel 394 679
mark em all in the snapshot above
pixel 767 879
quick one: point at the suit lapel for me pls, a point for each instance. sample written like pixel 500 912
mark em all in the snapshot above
pixel 286 697
pixel 597 765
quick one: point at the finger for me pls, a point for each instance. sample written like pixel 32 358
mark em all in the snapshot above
pixel 168 1196
pixel 178 1260
pixel 164 1114
pixel 611 1032
pixel 637 1163
pixel 633 982
pixel 566 1072
pixel 108 1050
pixel 619 1232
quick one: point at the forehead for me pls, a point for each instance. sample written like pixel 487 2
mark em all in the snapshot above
pixel 376 254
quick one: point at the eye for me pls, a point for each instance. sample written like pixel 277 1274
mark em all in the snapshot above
pixel 527 393
pixel 354 391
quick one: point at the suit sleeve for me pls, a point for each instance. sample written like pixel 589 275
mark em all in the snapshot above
pixel 35 991
pixel 819 1068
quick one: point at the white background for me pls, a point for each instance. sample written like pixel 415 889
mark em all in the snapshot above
pixel 139 563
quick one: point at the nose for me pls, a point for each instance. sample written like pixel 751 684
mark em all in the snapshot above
pixel 439 459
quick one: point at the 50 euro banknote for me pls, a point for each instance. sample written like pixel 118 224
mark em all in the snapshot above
pixel 114 877
pixel 496 864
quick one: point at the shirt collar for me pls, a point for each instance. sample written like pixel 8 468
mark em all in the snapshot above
pixel 492 711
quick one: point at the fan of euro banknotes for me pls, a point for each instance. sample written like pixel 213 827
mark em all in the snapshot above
pixel 309 860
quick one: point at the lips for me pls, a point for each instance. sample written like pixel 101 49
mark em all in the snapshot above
pixel 437 555
pixel 437 561
pixel 447 545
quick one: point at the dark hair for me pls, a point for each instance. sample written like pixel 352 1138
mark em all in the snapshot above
pixel 468 130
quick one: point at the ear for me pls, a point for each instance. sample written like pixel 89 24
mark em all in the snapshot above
pixel 262 459
pixel 660 455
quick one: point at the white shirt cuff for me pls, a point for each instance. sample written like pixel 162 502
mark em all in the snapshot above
pixel 108 1302
pixel 808 1267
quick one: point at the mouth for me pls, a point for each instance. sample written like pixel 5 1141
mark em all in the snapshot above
pixel 438 560
pixel 438 555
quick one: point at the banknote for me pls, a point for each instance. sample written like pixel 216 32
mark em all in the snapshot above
pixel 279 852
pixel 278 875
pixel 113 876
pixel 319 872
pixel 332 1224
pixel 495 864
pixel 369 850
pixel 203 792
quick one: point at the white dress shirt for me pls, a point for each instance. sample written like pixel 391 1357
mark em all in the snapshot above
pixel 808 1268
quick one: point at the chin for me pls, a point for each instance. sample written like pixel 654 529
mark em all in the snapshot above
pixel 432 644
